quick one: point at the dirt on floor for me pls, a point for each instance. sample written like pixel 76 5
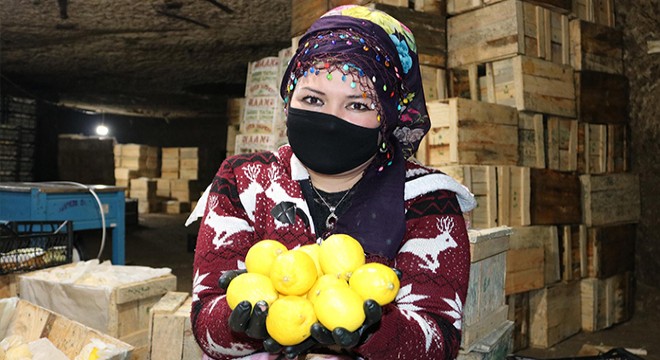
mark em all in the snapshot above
pixel 161 240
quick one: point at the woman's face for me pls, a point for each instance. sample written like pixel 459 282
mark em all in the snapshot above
pixel 333 96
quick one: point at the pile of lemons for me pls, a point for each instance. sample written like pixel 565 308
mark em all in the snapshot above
pixel 327 283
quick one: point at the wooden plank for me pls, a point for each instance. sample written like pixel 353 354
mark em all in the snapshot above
pixel 554 314
pixel 304 13
pixel 514 196
pixel 602 98
pixel 562 143
pixel 596 11
pixel 485 288
pixel 434 82
pixel 555 197
pixel 572 247
pixel 171 336
pixel 519 314
pixel 531 140
pixel 8 286
pixel 560 6
pixel 610 199
pixel 455 7
pixel 610 250
pixel 592 149
pixel 596 47
pixel 617 148
pixel 144 289
pixel 494 346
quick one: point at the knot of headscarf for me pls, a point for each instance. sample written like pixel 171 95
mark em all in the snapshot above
pixel 375 52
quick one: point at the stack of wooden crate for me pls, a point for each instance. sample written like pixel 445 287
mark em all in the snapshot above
pixel 235 108
pixel 133 161
pixel 556 168
pixel 179 185
pixel 18 125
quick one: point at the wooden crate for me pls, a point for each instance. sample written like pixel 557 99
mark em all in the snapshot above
pixel 606 302
pixel 32 322
pixel 531 140
pixel 597 11
pixel 185 190
pixel 485 307
pixel 495 346
pixel 526 83
pixel 513 196
pixel 596 47
pixel 505 29
pixel 602 98
pixel 481 180
pixel 561 143
pixel 573 252
pixel 434 82
pixel 610 199
pixel 554 314
pixel 8 285
pixel 519 315
pixel 235 108
pixel 470 132
pixel 610 250
pixel 617 148
pixel 532 259
pixel 455 7
pixel 170 329
pixel 592 148
pixel 555 197
pixel 126 316
pixel 176 207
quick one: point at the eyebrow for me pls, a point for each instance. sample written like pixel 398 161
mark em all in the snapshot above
pixel 355 96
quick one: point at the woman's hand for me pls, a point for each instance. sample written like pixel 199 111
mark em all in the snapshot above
pixel 349 339
pixel 243 318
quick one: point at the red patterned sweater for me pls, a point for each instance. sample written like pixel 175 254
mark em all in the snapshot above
pixel 423 322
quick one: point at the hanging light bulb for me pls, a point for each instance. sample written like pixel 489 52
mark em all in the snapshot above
pixel 101 129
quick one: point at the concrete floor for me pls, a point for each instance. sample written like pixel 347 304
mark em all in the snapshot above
pixel 161 240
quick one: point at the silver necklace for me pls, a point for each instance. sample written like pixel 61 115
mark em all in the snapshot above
pixel 331 220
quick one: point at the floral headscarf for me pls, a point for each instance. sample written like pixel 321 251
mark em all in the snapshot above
pixel 365 44
pixel 375 46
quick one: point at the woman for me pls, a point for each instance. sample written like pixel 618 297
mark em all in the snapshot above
pixel 355 115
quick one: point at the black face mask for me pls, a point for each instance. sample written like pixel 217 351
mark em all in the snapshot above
pixel 327 144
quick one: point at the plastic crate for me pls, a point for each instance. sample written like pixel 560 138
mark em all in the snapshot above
pixel 33 245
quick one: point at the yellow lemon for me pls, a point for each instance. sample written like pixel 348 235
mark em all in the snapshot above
pixel 290 319
pixel 339 306
pixel 260 257
pixel 340 255
pixel 375 281
pixel 313 251
pixel 252 287
pixel 293 273
pixel 323 283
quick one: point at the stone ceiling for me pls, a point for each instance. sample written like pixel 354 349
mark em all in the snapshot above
pixel 161 58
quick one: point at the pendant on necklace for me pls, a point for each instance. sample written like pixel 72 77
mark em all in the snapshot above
pixel 331 220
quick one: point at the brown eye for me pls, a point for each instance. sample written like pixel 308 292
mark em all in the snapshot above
pixel 312 100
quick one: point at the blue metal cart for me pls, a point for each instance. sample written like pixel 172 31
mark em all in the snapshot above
pixel 58 201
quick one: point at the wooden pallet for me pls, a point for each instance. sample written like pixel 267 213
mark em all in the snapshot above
pixel 504 29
